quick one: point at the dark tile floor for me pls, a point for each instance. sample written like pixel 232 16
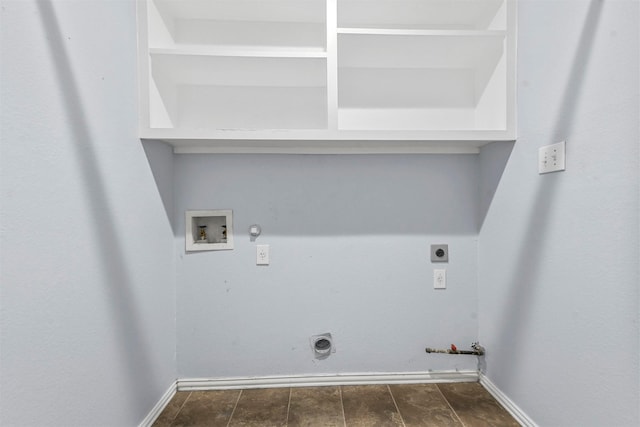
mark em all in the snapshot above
pixel 457 404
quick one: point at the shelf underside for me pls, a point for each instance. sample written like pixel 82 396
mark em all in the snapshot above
pixel 416 14
pixel 188 146
pixel 326 142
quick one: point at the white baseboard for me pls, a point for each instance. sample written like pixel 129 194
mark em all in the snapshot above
pixel 162 403
pixel 507 403
pixel 191 384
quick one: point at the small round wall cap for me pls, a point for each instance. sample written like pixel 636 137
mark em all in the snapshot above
pixel 255 230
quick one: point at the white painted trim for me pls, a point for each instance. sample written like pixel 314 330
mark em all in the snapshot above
pixel 412 32
pixel 162 403
pixel 428 149
pixel 192 384
pixel 251 53
pixel 507 403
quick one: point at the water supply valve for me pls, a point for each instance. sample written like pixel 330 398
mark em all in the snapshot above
pixel 477 350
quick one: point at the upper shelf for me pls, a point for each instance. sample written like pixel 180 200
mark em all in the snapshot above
pixel 244 10
pixel 246 51
pixel 423 14
pixel 232 70
pixel 420 32
pixel 245 25
pixel 418 51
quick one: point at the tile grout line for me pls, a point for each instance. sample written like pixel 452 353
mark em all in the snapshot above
pixel 234 408
pixel 396 405
pixel 288 407
pixel 449 405
pixel 344 417
pixel 181 406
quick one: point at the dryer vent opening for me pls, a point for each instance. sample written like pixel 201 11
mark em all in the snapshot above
pixel 322 345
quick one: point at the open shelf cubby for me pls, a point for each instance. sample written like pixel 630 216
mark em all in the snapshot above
pixel 295 25
pixel 237 92
pixel 242 64
pixel 421 82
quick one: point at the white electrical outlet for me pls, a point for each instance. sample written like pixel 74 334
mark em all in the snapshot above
pixel 551 158
pixel 439 279
pixel 262 254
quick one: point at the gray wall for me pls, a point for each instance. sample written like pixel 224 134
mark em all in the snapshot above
pixel 558 254
pixel 87 303
pixel 349 240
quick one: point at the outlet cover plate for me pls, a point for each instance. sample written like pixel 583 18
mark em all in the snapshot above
pixel 551 158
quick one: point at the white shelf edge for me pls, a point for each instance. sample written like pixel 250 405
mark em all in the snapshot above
pixel 267 13
pixel 319 150
pixel 213 135
pixel 459 143
pixel 249 53
pixel 415 32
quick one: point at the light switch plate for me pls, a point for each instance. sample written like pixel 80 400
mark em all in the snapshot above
pixel 551 158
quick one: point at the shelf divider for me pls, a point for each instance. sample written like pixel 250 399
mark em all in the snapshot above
pixel 332 64
pixel 235 52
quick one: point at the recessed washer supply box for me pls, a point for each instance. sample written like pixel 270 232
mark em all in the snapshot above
pixel 208 230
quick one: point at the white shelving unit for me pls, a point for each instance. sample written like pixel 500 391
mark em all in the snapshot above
pixel 304 76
